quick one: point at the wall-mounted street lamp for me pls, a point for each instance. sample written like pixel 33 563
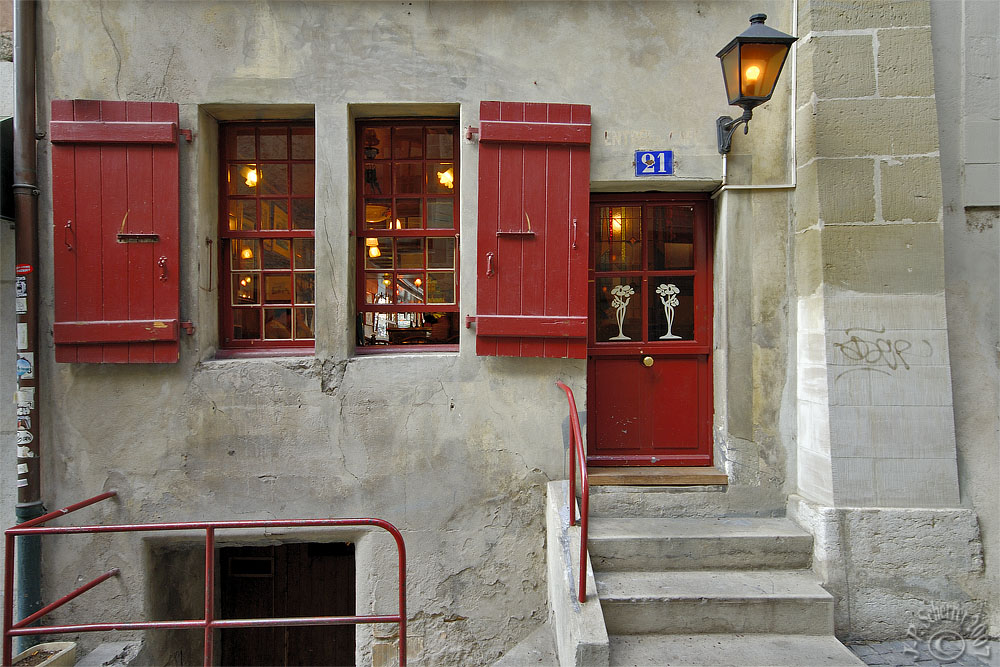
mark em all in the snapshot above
pixel 751 64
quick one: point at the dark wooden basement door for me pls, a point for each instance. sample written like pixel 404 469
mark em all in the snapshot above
pixel 301 579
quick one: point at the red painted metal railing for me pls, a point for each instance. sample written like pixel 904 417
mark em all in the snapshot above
pixel 578 455
pixel 209 623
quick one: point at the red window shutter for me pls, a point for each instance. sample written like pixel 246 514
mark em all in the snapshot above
pixel 115 215
pixel 534 189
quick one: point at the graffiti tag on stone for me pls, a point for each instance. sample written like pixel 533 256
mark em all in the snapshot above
pixel 870 351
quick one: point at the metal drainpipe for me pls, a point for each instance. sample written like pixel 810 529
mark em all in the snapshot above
pixel 28 577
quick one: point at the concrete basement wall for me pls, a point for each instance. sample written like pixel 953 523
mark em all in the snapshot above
pixel 454 449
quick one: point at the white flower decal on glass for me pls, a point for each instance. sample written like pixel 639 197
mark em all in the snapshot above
pixel 668 297
pixel 622 294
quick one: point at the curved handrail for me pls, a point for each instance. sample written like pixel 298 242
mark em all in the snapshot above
pixel 577 455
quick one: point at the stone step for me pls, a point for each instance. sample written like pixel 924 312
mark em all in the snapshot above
pixel 684 501
pixel 697 544
pixel 714 601
pixel 735 650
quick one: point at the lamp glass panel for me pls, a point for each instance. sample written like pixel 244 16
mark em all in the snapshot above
pixel 731 73
pixel 760 65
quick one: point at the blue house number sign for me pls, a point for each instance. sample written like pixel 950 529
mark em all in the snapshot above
pixel 654 163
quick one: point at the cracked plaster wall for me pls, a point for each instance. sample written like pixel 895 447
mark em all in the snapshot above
pixel 452 448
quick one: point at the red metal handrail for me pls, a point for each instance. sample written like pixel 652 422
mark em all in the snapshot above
pixel 209 623
pixel 577 454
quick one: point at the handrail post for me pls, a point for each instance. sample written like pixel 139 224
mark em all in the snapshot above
pixel 209 594
pixel 8 608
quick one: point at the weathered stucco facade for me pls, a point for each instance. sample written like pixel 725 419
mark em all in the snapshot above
pixel 862 208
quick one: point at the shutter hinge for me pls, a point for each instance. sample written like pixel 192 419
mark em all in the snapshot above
pixel 186 134
pixel 469 131
pixel 469 321
pixel 188 327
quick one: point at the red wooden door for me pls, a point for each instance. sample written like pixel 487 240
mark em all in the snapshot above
pixel 649 371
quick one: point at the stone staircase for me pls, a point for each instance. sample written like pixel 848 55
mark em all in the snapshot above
pixel 712 591
pixel 676 587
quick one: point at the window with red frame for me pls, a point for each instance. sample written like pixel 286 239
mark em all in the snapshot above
pixel 407 233
pixel 267 222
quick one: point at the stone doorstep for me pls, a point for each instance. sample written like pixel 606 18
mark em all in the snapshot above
pixel 731 650
pixel 657 476
pixel 709 601
pixel 646 544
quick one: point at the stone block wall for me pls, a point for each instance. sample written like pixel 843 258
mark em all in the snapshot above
pixel 873 366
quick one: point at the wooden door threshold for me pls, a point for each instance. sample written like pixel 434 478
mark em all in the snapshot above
pixel 656 476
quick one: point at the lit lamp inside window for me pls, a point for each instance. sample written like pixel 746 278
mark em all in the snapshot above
pixel 251 178
pixel 447 178
pixel 373 250
pixel 751 63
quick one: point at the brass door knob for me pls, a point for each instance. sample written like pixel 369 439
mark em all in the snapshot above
pixel 647 361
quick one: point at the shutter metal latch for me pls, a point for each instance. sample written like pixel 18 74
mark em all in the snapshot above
pixel 469 131
pixel 469 321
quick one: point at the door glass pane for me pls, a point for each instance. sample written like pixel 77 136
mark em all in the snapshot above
pixel 671 308
pixel 440 214
pixel 671 238
pixel 619 309
pixel 618 238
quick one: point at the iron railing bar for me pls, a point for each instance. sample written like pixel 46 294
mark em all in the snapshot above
pixel 101 627
pixel 69 508
pixel 209 595
pixel 8 598
pixel 577 453
pixel 195 525
pixel 209 623
pixel 24 622
pixel 302 620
